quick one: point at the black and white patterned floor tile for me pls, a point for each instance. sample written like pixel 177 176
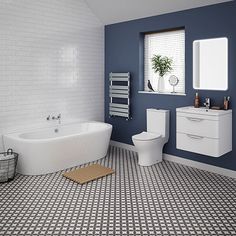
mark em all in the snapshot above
pixel 164 199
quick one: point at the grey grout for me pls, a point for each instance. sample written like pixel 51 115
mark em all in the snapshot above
pixel 164 199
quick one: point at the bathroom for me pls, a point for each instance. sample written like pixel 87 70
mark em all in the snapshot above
pixel 56 59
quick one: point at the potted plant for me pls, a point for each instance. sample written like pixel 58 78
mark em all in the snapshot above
pixel 161 65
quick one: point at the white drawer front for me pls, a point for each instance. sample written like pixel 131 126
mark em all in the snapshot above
pixel 198 144
pixel 198 126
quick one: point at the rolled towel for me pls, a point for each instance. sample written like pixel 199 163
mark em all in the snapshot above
pixel 3 175
pixel 3 171
pixel 11 174
pixel 6 157
pixel 11 165
pixel 11 168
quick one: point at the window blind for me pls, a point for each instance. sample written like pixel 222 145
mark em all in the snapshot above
pixel 170 44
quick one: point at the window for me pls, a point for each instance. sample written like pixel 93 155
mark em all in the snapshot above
pixel 172 45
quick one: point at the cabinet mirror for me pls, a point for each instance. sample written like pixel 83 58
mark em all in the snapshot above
pixel 210 64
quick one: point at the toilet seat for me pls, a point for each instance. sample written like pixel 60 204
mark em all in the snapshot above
pixel 146 136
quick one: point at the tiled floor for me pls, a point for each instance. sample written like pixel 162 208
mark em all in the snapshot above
pixel 165 199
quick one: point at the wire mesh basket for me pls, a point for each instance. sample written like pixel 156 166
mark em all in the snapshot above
pixel 8 162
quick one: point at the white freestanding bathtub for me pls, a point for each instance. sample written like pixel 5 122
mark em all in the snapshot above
pixel 53 149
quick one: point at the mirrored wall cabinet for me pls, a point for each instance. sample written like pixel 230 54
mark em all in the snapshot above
pixel 210 64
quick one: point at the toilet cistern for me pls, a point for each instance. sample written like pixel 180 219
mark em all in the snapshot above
pixel 150 144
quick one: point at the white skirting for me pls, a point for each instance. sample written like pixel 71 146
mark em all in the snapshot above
pixel 184 161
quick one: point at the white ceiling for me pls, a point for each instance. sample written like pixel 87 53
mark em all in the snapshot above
pixel 113 11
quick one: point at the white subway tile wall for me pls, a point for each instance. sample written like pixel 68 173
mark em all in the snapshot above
pixel 51 61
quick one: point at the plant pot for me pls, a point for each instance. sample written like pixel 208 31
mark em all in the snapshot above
pixel 161 84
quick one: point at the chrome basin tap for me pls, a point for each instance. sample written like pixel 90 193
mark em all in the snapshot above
pixel 207 103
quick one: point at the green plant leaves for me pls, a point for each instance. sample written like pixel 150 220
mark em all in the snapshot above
pixel 161 64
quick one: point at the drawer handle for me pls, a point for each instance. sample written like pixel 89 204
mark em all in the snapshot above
pixel 194 119
pixel 194 136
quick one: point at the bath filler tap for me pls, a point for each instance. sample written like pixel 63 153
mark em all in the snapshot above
pixel 57 118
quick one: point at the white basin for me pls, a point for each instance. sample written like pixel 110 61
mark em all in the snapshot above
pixel 204 131
pixel 203 110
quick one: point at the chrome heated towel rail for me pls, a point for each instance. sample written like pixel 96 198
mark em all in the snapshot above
pixel 119 92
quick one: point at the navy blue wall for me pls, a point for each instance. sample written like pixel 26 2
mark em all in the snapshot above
pixel 123 52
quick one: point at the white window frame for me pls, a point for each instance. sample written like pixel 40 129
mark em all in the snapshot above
pixel 171 44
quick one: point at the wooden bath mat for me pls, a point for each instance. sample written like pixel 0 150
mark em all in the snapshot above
pixel 89 173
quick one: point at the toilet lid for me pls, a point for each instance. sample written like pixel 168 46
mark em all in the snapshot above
pixel 145 136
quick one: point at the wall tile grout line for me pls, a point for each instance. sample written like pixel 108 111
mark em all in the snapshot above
pixel 51 63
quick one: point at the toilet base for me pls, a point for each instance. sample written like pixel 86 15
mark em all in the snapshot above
pixel 148 159
pixel 147 163
pixel 149 151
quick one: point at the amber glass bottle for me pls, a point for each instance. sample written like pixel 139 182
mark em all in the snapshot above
pixel 197 101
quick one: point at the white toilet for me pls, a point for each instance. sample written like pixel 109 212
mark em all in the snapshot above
pixel 149 145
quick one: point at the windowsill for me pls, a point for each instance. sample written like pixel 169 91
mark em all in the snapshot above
pixel 160 93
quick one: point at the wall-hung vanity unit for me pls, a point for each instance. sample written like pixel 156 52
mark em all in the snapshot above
pixel 201 130
pixel 204 131
pixel 210 64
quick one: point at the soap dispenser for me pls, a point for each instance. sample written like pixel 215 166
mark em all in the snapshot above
pixel 226 103
pixel 197 101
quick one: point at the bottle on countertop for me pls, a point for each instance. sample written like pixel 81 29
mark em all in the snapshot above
pixel 226 103
pixel 197 101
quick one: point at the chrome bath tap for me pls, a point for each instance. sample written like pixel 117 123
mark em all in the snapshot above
pixel 57 118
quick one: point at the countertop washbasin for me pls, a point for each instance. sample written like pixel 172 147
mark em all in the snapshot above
pixel 203 110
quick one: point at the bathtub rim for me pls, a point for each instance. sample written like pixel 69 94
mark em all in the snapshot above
pixel 16 135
